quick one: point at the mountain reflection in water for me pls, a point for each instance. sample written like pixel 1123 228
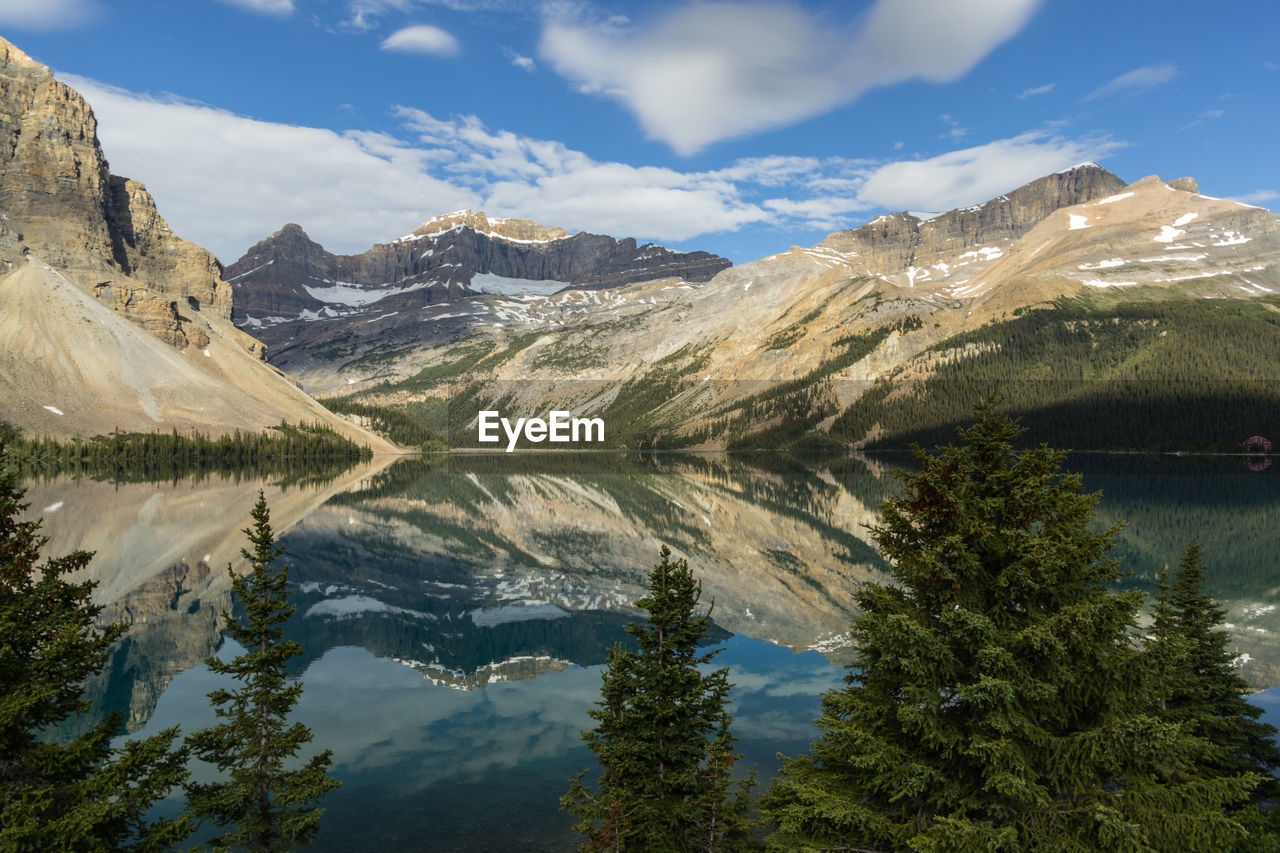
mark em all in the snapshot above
pixel 506 579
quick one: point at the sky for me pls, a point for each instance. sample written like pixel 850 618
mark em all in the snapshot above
pixel 740 128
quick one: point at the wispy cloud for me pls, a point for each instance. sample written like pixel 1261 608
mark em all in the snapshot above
pixel 1207 115
pixel 707 71
pixel 523 62
pixel 972 175
pixel 1038 90
pixel 48 14
pixel 363 15
pixel 1257 197
pixel 1135 81
pixel 549 182
pixel 954 128
pixel 266 7
pixel 479 5
pixel 422 38
pixel 226 181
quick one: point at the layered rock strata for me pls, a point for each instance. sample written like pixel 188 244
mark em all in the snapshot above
pixel 449 257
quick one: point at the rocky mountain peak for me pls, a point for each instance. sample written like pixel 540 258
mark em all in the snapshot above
pixel 289 238
pixel 12 55
pixel 522 230
pixel 64 206
pixel 110 320
pixel 288 277
pixel 903 244
pixel 291 229
pixel 1187 185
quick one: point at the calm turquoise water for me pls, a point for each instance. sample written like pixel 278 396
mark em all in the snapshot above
pixel 455 613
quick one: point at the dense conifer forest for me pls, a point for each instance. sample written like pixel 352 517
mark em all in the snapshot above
pixel 395 424
pixel 1150 375
pixel 294 451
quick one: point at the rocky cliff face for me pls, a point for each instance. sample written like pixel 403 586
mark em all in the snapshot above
pixel 107 318
pixel 900 243
pixel 289 276
pixel 63 204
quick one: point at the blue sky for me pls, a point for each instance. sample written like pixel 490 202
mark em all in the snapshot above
pixel 735 127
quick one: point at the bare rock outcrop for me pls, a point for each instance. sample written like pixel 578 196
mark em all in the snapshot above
pixel 61 203
pixel 107 318
pixel 898 241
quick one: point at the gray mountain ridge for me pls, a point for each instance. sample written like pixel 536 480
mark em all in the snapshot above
pixel 289 276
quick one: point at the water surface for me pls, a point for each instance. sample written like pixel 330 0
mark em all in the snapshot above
pixel 455 611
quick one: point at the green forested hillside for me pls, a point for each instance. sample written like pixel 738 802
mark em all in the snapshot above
pixel 301 451
pixel 1138 370
pixel 1087 373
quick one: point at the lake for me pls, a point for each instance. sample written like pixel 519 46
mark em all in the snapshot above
pixel 455 611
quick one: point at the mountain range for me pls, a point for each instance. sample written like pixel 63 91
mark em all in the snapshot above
pixel 803 341
pixel 288 276
pixel 1074 295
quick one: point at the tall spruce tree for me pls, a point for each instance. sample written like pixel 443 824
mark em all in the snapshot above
pixel 265 805
pixel 82 794
pixel 1196 680
pixel 995 702
pixel 663 737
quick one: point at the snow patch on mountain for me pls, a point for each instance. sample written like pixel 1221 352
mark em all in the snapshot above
pixel 486 282
pixel 355 295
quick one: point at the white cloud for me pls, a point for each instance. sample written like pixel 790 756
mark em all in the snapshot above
pixel 479 5
pixel 1257 197
pixel 1037 90
pixel 48 14
pixel 266 7
pixel 521 61
pixel 1135 81
pixel 551 183
pixel 830 213
pixel 365 13
pixel 225 181
pixel 1200 119
pixel 422 38
pixel 972 175
pixel 955 130
pixel 708 71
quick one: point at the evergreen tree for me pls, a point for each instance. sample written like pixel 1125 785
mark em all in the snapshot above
pixel 267 807
pixel 663 736
pixel 81 795
pixel 1196 681
pixel 995 702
